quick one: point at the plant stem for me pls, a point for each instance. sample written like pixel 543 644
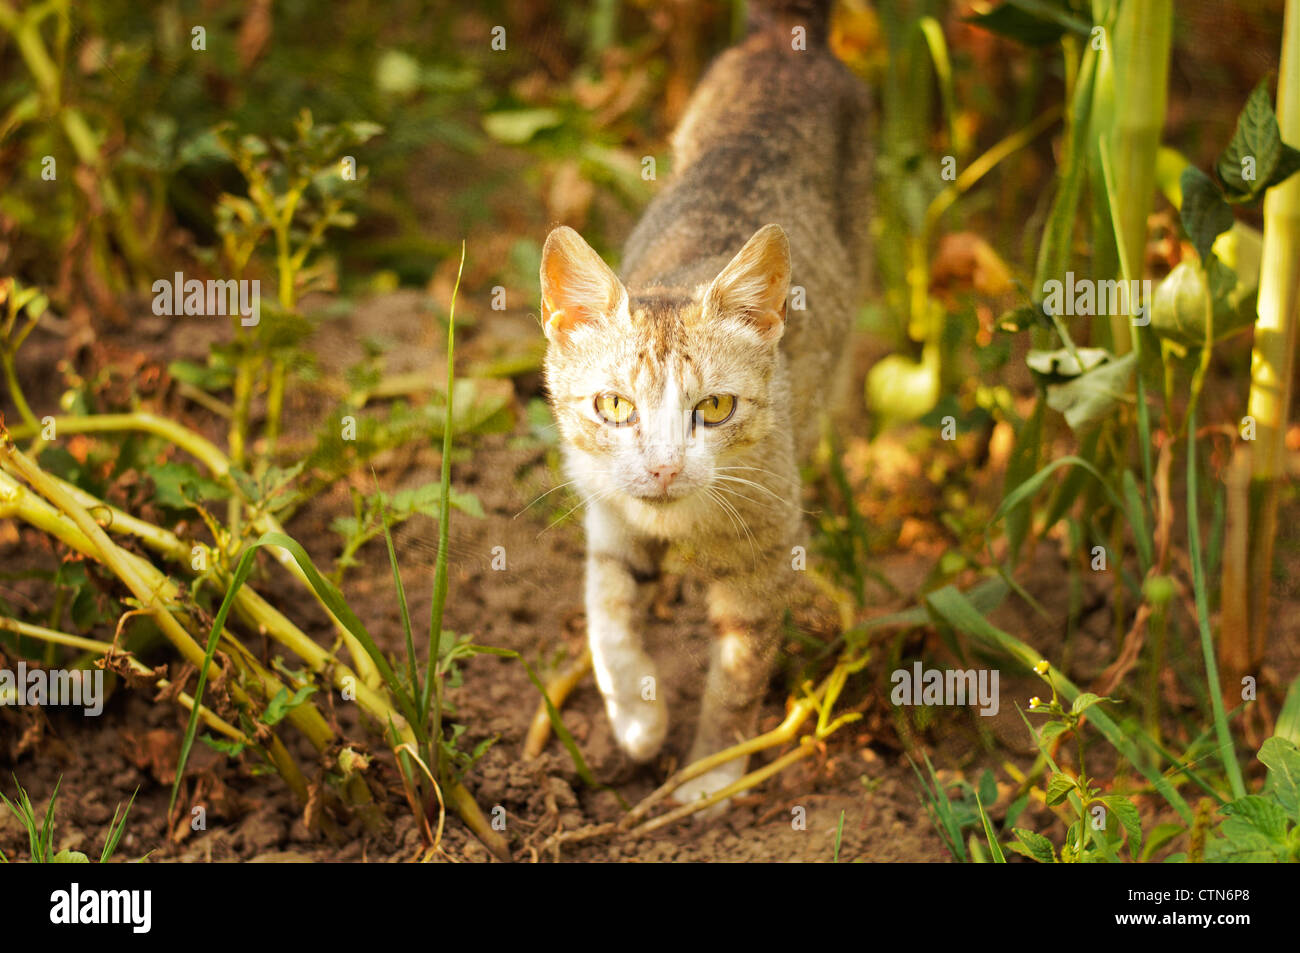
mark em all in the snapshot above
pixel 1226 751
pixel 1141 47
pixel 1272 366
pixel 53 637
pixel 219 465
pixel 432 678
pixel 152 588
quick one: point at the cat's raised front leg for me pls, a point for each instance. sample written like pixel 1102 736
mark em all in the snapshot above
pixel 620 564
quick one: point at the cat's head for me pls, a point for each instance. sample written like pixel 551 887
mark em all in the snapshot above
pixel 656 390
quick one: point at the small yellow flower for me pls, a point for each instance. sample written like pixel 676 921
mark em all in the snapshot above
pixel 1035 702
pixel 1042 667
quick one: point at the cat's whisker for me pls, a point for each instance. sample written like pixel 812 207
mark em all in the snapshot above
pixel 722 473
pixel 592 498
pixel 757 504
pixel 539 499
pixel 780 499
pixel 735 516
pixel 758 486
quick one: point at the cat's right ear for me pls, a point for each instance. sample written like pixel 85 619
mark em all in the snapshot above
pixel 577 286
pixel 755 284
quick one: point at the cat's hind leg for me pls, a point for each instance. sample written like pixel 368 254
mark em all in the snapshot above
pixel 746 640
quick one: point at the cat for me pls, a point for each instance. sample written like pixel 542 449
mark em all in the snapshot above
pixel 688 392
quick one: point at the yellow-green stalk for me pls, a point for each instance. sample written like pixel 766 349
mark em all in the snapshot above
pixel 1272 366
pixel 185 700
pixel 219 465
pixel 1141 82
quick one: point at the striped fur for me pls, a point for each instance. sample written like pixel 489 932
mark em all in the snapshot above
pixel 768 209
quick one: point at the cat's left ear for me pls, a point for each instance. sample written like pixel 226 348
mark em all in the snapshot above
pixel 577 286
pixel 755 283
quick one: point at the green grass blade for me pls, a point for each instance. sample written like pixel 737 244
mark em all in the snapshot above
pixel 1023 462
pixel 116 828
pixel 994 847
pixel 1033 484
pixel 47 829
pixel 939 808
pixel 440 567
pixel 330 597
pixel 1226 750
pixel 553 713
pixel 1137 518
pixel 242 569
pixel 1288 719
pixel 952 605
pixel 412 669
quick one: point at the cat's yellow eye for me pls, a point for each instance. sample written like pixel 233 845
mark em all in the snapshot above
pixel 615 409
pixel 715 410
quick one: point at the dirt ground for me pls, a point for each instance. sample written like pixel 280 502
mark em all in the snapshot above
pixel 535 607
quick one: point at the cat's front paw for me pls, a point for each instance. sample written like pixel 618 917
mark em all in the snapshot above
pixel 640 726
pixel 708 784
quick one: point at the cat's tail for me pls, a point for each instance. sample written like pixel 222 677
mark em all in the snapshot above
pixel 784 15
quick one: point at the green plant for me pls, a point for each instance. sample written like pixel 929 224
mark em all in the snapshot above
pixel 41 835
pixel 1263 827
pixel 954 816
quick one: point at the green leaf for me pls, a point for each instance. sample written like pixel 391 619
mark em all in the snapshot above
pixel 1061 365
pixel 1256 159
pixel 283 703
pixel 516 126
pixel 66 856
pixel 206 378
pixel 1023 25
pixel 1085 701
pixel 179 486
pixel 1282 758
pixel 225 745
pixel 1234 281
pixel 1240 844
pixel 1181 304
pixel 994 847
pixel 1160 835
pixel 1059 788
pixel 1050 731
pixel 1092 397
pixel 1204 213
pixel 1260 813
pixel 988 788
pixel 1034 846
pixel 1127 814
pixel 1135 510
pixel 1024 317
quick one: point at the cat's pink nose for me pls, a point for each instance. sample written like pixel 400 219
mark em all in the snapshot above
pixel 665 473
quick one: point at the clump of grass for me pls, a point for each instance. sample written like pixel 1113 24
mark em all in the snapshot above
pixel 41 835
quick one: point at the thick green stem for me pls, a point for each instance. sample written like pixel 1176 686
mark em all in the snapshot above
pixel 74 525
pixel 1272 368
pixel 252 608
pixel 53 637
pixel 218 464
pixel 1141 46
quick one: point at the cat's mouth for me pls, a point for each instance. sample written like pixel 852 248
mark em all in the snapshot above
pixel 660 499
